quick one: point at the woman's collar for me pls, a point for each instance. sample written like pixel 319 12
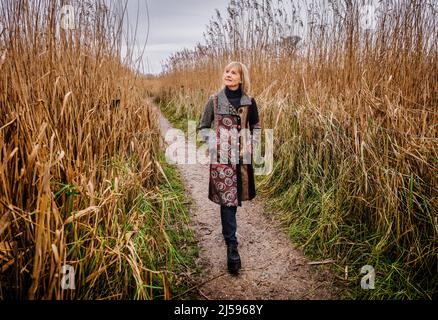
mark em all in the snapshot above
pixel 245 100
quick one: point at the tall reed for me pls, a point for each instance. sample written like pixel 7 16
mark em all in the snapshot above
pixel 80 181
pixel 354 113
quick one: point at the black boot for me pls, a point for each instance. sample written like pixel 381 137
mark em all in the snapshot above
pixel 233 259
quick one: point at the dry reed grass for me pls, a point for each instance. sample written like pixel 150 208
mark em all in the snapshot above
pixel 79 182
pixel 355 117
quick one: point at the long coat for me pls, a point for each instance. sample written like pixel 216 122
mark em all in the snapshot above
pixel 231 178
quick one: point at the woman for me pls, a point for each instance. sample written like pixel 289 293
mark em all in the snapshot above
pixel 235 116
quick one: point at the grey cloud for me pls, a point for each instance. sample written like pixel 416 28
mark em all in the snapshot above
pixel 174 25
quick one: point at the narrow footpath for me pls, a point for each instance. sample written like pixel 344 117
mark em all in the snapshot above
pixel 271 267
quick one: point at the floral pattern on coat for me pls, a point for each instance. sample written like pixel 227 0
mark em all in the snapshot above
pixel 232 181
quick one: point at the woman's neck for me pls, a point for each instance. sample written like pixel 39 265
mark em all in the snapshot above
pixel 233 91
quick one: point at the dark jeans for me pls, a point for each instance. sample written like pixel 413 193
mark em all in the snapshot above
pixel 229 224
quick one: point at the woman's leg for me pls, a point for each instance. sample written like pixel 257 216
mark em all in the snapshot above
pixel 229 224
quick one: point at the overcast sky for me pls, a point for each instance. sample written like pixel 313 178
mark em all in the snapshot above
pixel 173 26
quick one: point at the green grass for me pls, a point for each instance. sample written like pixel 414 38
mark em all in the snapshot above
pixel 178 119
pixel 161 237
pixel 184 247
pixel 326 222
pixel 324 228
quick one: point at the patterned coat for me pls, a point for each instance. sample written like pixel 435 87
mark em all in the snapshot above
pixel 231 178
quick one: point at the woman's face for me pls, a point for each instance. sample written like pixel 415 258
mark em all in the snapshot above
pixel 231 78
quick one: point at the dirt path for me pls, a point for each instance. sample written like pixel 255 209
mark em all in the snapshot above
pixel 271 267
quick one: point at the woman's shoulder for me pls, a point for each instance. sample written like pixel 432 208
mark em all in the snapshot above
pixel 249 96
pixel 211 98
pixel 213 95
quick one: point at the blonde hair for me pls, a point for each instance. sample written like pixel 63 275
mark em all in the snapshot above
pixel 244 75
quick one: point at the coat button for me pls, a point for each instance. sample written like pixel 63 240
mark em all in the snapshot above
pixel 238 127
